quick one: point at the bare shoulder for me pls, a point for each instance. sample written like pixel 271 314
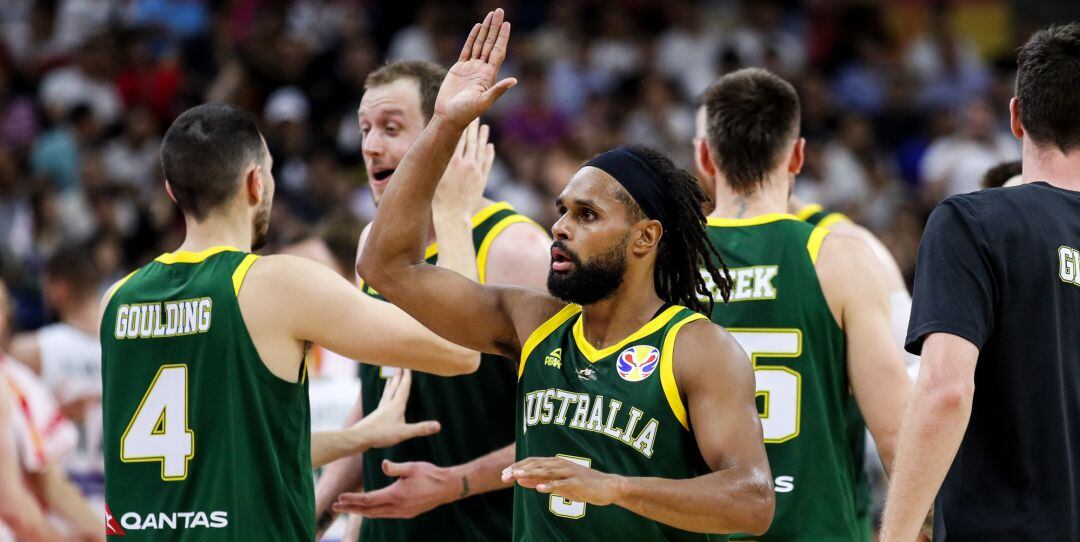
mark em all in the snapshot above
pixel 705 348
pixel 843 253
pixel 519 255
pixel 880 251
pixel 850 274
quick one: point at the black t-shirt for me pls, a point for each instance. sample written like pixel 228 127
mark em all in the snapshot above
pixel 1001 268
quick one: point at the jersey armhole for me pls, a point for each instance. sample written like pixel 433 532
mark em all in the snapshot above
pixel 241 272
pixel 116 288
pixel 667 370
pixel 542 332
pixel 489 239
pixel 832 218
pixel 813 244
pixel 809 211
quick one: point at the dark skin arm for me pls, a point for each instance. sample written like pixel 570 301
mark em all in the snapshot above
pixel 718 382
pixel 483 318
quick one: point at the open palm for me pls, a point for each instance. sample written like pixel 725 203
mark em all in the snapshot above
pixel 469 88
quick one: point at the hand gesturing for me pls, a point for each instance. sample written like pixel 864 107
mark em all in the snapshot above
pixel 470 88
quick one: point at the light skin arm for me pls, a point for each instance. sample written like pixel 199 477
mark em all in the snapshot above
pixel 19 509
pixel 63 498
pixel 345 474
pixel 718 381
pixel 384 427
pixel 854 285
pixel 932 432
pixel 26 348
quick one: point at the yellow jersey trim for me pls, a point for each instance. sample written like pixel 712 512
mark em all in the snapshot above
pixel 546 329
pixel 489 239
pixel 833 218
pixel 809 210
pixel 116 287
pixel 594 355
pixel 752 221
pixel 192 257
pixel 241 272
pixel 667 371
pixel 486 212
pixel 813 244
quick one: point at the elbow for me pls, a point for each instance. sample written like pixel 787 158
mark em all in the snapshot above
pixel 760 509
pixel 368 270
pixel 950 396
pixel 466 362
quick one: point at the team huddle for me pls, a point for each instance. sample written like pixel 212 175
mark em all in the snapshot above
pixel 684 357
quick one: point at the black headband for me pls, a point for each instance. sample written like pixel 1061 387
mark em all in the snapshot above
pixel 638 177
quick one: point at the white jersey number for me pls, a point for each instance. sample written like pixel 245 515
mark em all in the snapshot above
pixel 566 508
pixel 159 429
pixel 780 386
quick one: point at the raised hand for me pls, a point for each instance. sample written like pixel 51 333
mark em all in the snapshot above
pixel 386 426
pixel 469 88
pixel 463 182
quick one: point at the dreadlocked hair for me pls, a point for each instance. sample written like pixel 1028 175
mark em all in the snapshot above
pixel 684 249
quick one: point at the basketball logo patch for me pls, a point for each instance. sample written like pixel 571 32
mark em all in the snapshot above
pixel 638 362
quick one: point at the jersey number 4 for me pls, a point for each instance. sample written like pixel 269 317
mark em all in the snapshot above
pixel 781 387
pixel 159 429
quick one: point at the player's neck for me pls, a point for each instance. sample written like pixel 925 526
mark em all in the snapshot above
pixel 609 321
pixel 1052 166
pixel 217 230
pixel 83 316
pixel 771 197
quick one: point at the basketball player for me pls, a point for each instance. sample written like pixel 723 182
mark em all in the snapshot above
pixel 207 422
pixel 664 441
pixel 461 466
pixel 67 356
pixel 994 421
pixel 810 307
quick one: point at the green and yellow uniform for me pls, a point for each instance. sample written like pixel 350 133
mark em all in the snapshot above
pixel 201 440
pixel 816 215
pixel 477 416
pixel 779 315
pixel 617 410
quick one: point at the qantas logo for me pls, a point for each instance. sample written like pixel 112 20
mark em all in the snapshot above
pixel 112 528
pixel 132 521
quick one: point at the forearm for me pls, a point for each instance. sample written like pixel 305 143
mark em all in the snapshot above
pixel 453 230
pixel 398 235
pixel 727 501
pixel 341 476
pixel 929 439
pixel 61 496
pixel 484 473
pixel 329 446
pixel 24 517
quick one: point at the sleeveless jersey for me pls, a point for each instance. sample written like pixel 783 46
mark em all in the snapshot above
pixel 202 442
pixel 477 416
pixel 817 215
pixel 617 410
pixel 779 315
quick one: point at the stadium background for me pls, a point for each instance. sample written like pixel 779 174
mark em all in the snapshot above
pixel 904 103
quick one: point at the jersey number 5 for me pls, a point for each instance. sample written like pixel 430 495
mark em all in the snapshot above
pixel 780 386
pixel 566 508
pixel 159 429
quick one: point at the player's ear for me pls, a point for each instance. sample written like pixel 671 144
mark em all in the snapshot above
pixel 798 156
pixel 253 184
pixel 646 236
pixel 1014 118
pixel 703 159
pixel 168 190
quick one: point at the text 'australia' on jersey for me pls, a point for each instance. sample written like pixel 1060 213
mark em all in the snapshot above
pixel 814 434
pixel 201 440
pixel 616 410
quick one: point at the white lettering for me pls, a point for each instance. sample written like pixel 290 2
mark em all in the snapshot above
pixel 121 321
pixel 784 484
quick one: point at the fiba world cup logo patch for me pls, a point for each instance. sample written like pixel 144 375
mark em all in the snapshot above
pixel 638 362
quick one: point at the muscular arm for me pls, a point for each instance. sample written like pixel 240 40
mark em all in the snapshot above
pixel 853 283
pixel 19 509
pixel 718 381
pixel 932 431
pixel 483 318
pixel 737 496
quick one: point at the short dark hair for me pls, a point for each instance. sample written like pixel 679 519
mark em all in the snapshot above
pixel 428 77
pixel 752 116
pixel 76 265
pixel 205 152
pixel 1047 79
pixel 684 253
pixel 999 174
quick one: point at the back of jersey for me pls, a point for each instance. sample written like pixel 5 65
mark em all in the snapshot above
pixel 779 315
pixel 201 440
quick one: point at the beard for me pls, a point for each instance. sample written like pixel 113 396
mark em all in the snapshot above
pixel 590 281
pixel 260 229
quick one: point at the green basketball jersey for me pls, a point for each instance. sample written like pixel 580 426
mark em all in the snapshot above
pixel 617 410
pixel 817 215
pixel 201 440
pixel 779 315
pixel 477 416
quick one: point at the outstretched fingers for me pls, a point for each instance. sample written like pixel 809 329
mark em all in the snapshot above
pixel 466 50
pixel 498 50
pixel 481 38
pixel 493 34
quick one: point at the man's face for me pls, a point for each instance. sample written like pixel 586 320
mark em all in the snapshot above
pixel 589 255
pixel 260 222
pixel 390 120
